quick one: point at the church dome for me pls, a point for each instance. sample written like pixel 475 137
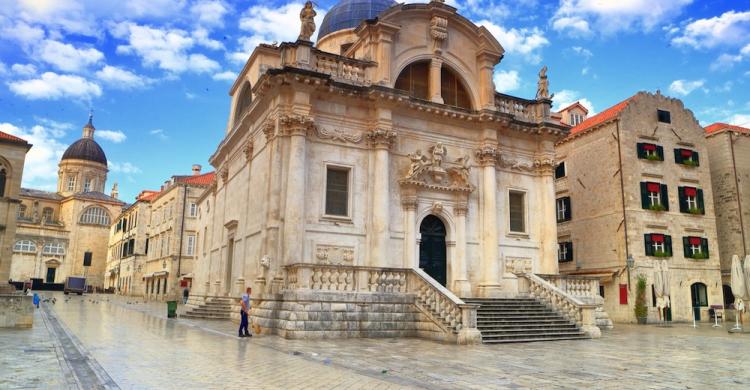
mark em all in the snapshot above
pixel 86 148
pixel 349 13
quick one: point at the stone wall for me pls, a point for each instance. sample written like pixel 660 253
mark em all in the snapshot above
pixel 16 311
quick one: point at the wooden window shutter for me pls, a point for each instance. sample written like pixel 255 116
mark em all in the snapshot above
pixel 696 158
pixel 683 199
pixel 686 247
pixel 641 151
pixel 704 246
pixel 701 205
pixel 649 245
pixel 623 294
pixel 664 193
pixel 645 202
pixel 660 152
pixel 568 210
pixel 678 156
pixel 668 244
pixel 570 251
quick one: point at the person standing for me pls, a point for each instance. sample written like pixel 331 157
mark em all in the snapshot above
pixel 185 295
pixel 244 313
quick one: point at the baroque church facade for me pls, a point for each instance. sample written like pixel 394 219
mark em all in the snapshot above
pixel 380 159
pixel 65 233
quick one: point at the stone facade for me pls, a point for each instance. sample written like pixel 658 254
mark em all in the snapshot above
pixel 128 240
pixel 57 231
pixel 606 219
pixel 729 153
pixel 12 157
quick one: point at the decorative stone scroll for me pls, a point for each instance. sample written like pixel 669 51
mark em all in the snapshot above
pixel 381 138
pixel 486 155
pixel 295 124
pixel 338 135
pixel 429 171
pixel 334 254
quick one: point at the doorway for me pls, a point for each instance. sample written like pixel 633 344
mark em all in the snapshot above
pixel 432 251
pixel 698 298
pixel 50 275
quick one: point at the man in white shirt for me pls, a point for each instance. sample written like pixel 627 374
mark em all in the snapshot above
pixel 244 312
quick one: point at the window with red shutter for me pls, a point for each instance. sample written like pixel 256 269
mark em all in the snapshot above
pixel 623 294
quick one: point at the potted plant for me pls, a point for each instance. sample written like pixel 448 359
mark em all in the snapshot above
pixel 690 163
pixel 657 207
pixel 653 157
pixel 699 256
pixel 662 254
pixel 695 211
pixel 641 310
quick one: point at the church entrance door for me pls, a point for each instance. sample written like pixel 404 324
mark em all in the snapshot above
pixel 432 252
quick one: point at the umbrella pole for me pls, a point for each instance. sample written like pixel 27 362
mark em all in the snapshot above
pixel 716 320
pixel 737 320
pixel 694 324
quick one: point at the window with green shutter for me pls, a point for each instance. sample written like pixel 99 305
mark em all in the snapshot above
pixel 654 196
pixel 687 157
pixel 691 200
pixel 658 245
pixel 695 247
pixel 564 251
pixel 648 151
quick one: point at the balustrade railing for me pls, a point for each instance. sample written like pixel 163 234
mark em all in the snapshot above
pixel 340 67
pixel 584 288
pixel 519 108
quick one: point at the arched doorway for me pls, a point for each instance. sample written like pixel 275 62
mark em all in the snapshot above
pixel 432 251
pixel 698 298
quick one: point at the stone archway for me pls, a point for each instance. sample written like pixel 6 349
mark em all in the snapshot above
pixel 432 249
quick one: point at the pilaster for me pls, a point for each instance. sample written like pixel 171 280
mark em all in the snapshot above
pixel 296 128
pixel 381 140
pixel 489 286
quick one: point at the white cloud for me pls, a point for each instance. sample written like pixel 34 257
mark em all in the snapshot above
pixel 57 129
pixel 125 167
pixel 154 8
pixel 121 78
pixel 115 136
pixel 202 38
pixel 583 52
pixel 27 70
pixel 526 42
pixel 40 168
pixel 730 29
pixel 164 48
pixel 159 133
pixel 209 13
pixel 226 76
pixel 725 61
pixel 22 33
pixel 567 97
pixel 739 120
pixel 53 86
pixel 685 87
pixel 506 81
pixel 66 57
pixel 188 95
pixel 586 17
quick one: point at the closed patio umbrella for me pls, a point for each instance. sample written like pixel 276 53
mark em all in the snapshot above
pixel 658 288
pixel 738 287
pixel 665 279
pixel 746 272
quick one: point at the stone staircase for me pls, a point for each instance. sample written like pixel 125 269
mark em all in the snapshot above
pixel 212 309
pixel 519 320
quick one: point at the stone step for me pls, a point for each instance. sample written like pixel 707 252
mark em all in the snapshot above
pixel 209 311
pixel 511 311
pixel 206 316
pixel 526 322
pixel 529 330
pixel 524 335
pixel 519 315
pixel 533 339
pixel 512 327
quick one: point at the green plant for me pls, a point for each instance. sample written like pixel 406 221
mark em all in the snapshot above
pixel 690 163
pixel 662 254
pixel 641 310
pixel 653 157
pixel 656 207
pixel 699 256
pixel 695 211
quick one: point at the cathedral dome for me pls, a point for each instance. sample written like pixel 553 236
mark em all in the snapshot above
pixel 349 13
pixel 86 148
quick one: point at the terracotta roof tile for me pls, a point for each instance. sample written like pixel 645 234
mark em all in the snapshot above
pixel 602 117
pixel 147 195
pixel 12 138
pixel 720 127
pixel 205 179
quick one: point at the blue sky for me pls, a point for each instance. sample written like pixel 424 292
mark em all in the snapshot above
pixel 157 72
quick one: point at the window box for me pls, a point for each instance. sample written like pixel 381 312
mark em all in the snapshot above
pixel 687 157
pixel 658 245
pixel 654 196
pixel 657 207
pixel 695 248
pixel 691 200
pixel 651 152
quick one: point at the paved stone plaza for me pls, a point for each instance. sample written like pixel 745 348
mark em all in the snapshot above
pixel 106 340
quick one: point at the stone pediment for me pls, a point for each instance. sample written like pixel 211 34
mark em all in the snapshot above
pixel 432 172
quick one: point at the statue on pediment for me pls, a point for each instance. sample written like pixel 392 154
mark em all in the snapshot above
pixel 542 90
pixel 307 17
pixel 427 170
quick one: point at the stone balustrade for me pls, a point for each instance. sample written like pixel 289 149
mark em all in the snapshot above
pixel 339 67
pixel 583 314
pixel 449 312
pixel 519 108
pixel 584 288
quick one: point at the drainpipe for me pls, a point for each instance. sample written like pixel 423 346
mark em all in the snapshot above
pixel 737 188
pixel 622 194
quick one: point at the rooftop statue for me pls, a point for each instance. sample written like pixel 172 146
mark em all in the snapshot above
pixel 307 17
pixel 542 89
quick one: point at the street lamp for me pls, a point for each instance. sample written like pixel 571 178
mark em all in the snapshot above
pixel 629 264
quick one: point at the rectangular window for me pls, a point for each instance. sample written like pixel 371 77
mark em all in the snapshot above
pixel 653 152
pixel 687 157
pixel 337 191
pixel 517 211
pixel 87 185
pixel 695 247
pixel 190 249
pixel 664 116
pixel 691 200
pixel 658 245
pixel 564 252
pixel 654 196
pixel 563 209
pixel 193 210
pixel 560 170
pixel 71 183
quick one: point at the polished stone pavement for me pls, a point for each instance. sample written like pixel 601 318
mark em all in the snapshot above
pixel 139 347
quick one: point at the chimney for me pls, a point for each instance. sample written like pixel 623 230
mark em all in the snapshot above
pixel 115 191
pixel 196 169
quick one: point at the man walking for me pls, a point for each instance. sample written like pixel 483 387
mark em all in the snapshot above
pixel 244 312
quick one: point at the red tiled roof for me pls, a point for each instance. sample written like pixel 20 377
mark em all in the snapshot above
pixel 12 138
pixel 604 116
pixel 719 127
pixel 205 179
pixel 147 195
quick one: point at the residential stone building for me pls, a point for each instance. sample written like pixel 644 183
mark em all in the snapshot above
pixel 729 154
pixel 65 233
pixel 12 157
pixel 635 181
pixel 375 163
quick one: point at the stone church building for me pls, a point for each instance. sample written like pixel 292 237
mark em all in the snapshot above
pixel 368 180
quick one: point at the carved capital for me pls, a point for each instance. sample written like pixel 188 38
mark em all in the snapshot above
pixel 486 155
pixel 381 138
pixel 409 203
pixel 248 150
pixel 293 124
pixel 461 209
pixel 269 130
pixel 545 165
pixel 224 173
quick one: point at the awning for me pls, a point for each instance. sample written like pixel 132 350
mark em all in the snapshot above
pixel 604 275
pixel 160 273
pixel 187 276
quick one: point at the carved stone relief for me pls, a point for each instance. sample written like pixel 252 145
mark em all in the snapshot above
pixel 517 265
pixel 338 135
pixel 334 254
pixel 429 170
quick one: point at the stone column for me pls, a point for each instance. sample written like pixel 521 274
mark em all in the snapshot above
pixel 410 232
pixel 490 269
pixel 295 126
pixel 381 140
pixel 434 81
pixel 461 285
pixel 486 63
pixel 548 263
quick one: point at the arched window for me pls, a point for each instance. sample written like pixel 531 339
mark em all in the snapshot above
pixel 452 89
pixel 246 97
pixel 24 246
pixel 53 248
pixel 95 216
pixel 414 79
pixel 48 214
pixel 2 181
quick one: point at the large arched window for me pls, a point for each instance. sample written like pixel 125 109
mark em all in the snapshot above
pixel 27 246
pixel 95 216
pixel 246 97
pixel 452 89
pixel 53 248
pixel 2 181
pixel 414 79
